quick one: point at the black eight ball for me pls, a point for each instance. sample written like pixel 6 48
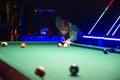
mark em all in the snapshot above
pixel 74 69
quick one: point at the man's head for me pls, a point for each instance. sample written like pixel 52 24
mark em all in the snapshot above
pixel 64 27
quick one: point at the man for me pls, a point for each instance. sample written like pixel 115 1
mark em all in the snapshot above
pixel 69 32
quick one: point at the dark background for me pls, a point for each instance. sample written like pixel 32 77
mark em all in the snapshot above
pixel 82 13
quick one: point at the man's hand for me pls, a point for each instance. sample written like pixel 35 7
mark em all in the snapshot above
pixel 68 42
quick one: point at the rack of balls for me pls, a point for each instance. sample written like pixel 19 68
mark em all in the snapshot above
pixel 4 44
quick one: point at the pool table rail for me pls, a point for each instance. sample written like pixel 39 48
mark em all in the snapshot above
pixel 9 73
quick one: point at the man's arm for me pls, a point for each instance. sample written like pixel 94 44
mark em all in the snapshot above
pixel 73 33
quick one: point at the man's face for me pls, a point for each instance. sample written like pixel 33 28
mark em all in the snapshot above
pixel 64 31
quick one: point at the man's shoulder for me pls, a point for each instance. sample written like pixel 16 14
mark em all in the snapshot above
pixel 73 26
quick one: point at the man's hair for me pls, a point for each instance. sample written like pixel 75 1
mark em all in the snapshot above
pixel 64 24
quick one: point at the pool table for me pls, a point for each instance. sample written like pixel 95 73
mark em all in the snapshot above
pixel 18 63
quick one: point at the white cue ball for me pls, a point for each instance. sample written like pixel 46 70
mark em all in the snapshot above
pixel 65 45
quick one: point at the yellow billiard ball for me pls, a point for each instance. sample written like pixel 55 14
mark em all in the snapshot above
pixel 23 45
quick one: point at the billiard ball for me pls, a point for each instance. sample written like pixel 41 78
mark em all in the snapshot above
pixel 74 69
pixel 40 71
pixel 23 45
pixel 105 51
pixel 59 44
pixel 65 45
pixel 4 44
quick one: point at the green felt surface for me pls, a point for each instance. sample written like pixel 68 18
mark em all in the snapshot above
pixel 93 64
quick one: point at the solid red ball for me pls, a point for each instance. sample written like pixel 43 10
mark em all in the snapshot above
pixel 40 71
